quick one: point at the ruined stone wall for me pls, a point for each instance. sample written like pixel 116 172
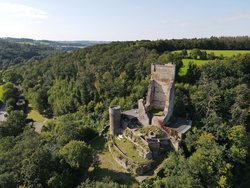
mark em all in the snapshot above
pixel 160 95
pixel 140 144
pixel 142 113
pixel 160 91
pixel 163 72
pixel 115 120
pixel 127 163
pixel 169 106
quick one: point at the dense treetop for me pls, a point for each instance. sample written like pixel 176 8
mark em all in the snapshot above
pixel 14 53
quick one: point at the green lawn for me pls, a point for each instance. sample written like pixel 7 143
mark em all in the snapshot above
pixel 128 149
pixel 155 129
pixel 35 115
pixel 224 53
pixel 184 68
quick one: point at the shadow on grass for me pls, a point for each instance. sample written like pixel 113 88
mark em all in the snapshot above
pixel 98 144
pixel 98 174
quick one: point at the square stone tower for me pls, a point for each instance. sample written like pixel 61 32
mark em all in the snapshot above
pixel 160 96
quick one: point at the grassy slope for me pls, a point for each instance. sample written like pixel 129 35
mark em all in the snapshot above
pixel 224 53
pixel 108 167
pixel 129 149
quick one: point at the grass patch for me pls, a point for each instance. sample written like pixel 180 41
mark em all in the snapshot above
pixel 137 139
pixel 184 68
pixel 108 167
pixel 153 128
pixel 1 92
pixel 129 149
pixel 104 156
pixel 35 115
pixel 227 53
pixel 224 53
pixel 156 112
pixel 218 53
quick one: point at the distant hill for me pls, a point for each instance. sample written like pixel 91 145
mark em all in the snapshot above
pixel 62 45
pixel 14 51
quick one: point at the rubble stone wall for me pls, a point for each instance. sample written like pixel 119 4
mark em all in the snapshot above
pixel 140 144
pixel 142 113
pixel 162 78
pixel 127 163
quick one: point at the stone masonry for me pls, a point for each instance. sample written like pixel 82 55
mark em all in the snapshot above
pixel 160 95
pixel 156 110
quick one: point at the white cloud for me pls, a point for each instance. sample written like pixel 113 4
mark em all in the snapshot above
pixel 19 20
pixel 15 12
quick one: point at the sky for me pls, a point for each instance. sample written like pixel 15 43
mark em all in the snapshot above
pixel 122 20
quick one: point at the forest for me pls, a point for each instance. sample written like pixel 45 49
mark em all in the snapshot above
pixel 12 53
pixel 74 90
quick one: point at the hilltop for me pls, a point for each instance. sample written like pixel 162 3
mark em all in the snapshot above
pixel 73 90
pixel 62 45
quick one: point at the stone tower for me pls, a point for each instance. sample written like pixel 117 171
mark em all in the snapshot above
pixel 114 119
pixel 160 95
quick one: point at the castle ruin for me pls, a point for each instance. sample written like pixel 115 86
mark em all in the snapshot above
pixel 160 96
pixel 151 129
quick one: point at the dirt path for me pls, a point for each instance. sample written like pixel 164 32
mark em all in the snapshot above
pixel 38 126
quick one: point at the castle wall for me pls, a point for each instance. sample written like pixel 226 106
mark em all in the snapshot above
pixel 169 107
pixel 115 119
pixel 142 149
pixel 163 73
pixel 160 91
pixel 142 114
pixel 129 164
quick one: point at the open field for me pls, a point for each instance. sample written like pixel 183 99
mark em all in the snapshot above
pixel 224 53
pixel 227 53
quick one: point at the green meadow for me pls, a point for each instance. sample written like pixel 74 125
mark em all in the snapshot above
pixel 184 68
pixel 224 53
pixel 227 53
